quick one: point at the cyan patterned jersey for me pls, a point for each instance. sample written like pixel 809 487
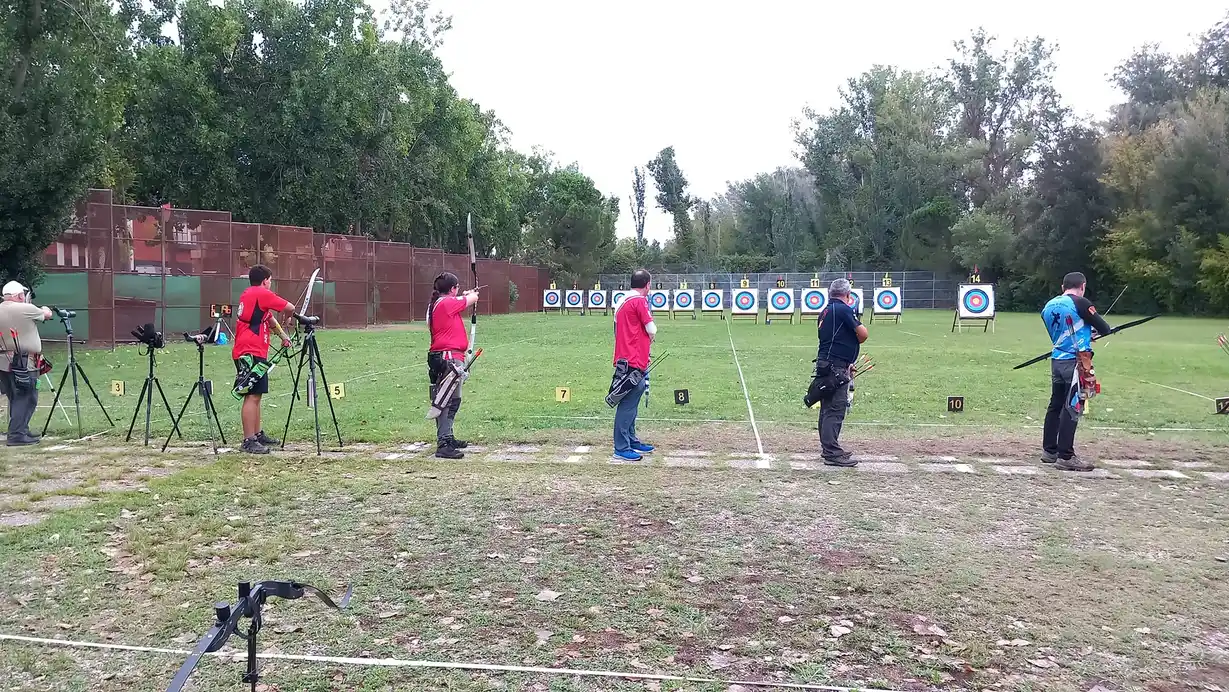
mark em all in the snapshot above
pixel 1068 331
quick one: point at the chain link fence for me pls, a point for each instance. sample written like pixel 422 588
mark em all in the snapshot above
pixel 919 290
pixel 123 266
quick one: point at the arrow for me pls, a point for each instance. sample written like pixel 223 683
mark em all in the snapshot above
pixel 1115 330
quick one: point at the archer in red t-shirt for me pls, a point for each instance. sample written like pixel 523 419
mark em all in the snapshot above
pixel 448 343
pixel 634 332
pixel 257 306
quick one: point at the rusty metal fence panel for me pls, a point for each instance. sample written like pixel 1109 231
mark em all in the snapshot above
pixel 123 266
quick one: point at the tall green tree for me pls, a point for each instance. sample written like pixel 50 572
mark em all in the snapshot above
pixel 61 97
pixel 673 198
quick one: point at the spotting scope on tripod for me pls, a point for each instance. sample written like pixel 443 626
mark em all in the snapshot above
pixel 309 355
pixel 66 317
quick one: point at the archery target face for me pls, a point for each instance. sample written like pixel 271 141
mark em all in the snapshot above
pixel 975 301
pixel 597 299
pixel 856 294
pixel 684 300
pixel 781 300
pixel 659 300
pixel 714 299
pixel 814 300
pixel 550 299
pixel 616 298
pixel 574 299
pixel 745 301
pixel 887 301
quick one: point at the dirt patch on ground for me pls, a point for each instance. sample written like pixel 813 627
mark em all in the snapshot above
pixel 20 519
pixel 1209 677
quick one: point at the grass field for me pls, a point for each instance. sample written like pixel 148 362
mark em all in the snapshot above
pixel 512 393
pixel 950 559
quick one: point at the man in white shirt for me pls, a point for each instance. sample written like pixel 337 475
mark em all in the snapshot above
pixel 19 368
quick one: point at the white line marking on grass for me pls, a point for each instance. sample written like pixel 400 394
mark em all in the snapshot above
pixel 911 334
pixel 447 665
pixel 763 462
pixel 1183 391
pixel 1003 352
pixel 879 424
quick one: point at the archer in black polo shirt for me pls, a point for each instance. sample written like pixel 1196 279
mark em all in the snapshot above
pixel 841 334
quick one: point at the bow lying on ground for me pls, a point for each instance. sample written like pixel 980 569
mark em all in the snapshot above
pixel 1224 343
pixel 251 598
pixel 1115 330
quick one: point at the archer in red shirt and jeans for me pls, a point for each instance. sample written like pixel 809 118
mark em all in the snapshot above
pixel 634 332
pixel 448 343
pixel 257 305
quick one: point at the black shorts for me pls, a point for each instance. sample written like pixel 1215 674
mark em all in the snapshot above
pixel 261 386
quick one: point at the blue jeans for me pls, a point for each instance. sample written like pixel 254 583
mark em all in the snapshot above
pixel 625 419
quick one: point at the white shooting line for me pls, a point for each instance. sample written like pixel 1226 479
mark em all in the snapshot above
pixel 1182 391
pixel 447 665
pixel 762 462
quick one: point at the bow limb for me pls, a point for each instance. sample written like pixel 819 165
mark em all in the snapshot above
pixel 473 268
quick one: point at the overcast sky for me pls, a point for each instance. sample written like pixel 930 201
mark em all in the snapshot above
pixel 608 84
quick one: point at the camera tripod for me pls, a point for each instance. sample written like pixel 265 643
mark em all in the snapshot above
pixel 206 390
pixel 75 368
pixel 310 355
pixel 147 397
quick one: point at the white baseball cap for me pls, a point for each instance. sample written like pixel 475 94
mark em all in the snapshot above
pixel 13 288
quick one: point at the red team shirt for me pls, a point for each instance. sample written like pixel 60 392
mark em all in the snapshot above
pixel 257 305
pixel 448 325
pixel 631 341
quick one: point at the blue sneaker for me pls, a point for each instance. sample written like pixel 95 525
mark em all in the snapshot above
pixel 642 447
pixel 629 455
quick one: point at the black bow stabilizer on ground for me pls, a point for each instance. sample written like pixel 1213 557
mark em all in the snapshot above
pixel 1115 330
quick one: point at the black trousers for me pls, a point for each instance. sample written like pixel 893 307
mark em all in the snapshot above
pixel 1058 438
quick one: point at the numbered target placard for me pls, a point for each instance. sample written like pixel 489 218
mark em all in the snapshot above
pixel 713 300
pixel 781 301
pixel 617 297
pixel 597 299
pixel 684 299
pixel 659 301
pixel 552 299
pixel 858 305
pixel 887 301
pixel 813 301
pixel 975 301
pixel 745 301
pixel 573 299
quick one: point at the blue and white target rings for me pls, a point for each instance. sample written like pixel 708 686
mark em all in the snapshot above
pixel 744 300
pixel 781 301
pixel 712 300
pixel 814 300
pixel 682 300
pixel 886 300
pixel 976 301
pixel 857 302
pixel 551 298
pixel 658 300
pixel 573 299
pixel 597 299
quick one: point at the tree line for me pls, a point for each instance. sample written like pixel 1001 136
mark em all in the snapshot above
pixel 317 113
pixel 980 164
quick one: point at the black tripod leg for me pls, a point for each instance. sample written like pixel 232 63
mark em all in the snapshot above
pixel 175 419
pixel 91 387
pixel 314 393
pixel 136 411
pixel 174 422
pixel 58 390
pixel 324 378
pixel 294 392
pixel 77 397
pixel 212 411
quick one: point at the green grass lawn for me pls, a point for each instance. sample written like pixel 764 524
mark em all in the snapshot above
pixel 925 577
pixel 511 395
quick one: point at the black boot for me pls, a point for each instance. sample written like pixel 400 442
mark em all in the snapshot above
pixel 455 443
pixel 445 451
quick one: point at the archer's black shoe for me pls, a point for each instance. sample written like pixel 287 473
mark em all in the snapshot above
pixel 253 446
pixel 446 452
pixel 455 443
pixel 266 440
pixel 844 461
